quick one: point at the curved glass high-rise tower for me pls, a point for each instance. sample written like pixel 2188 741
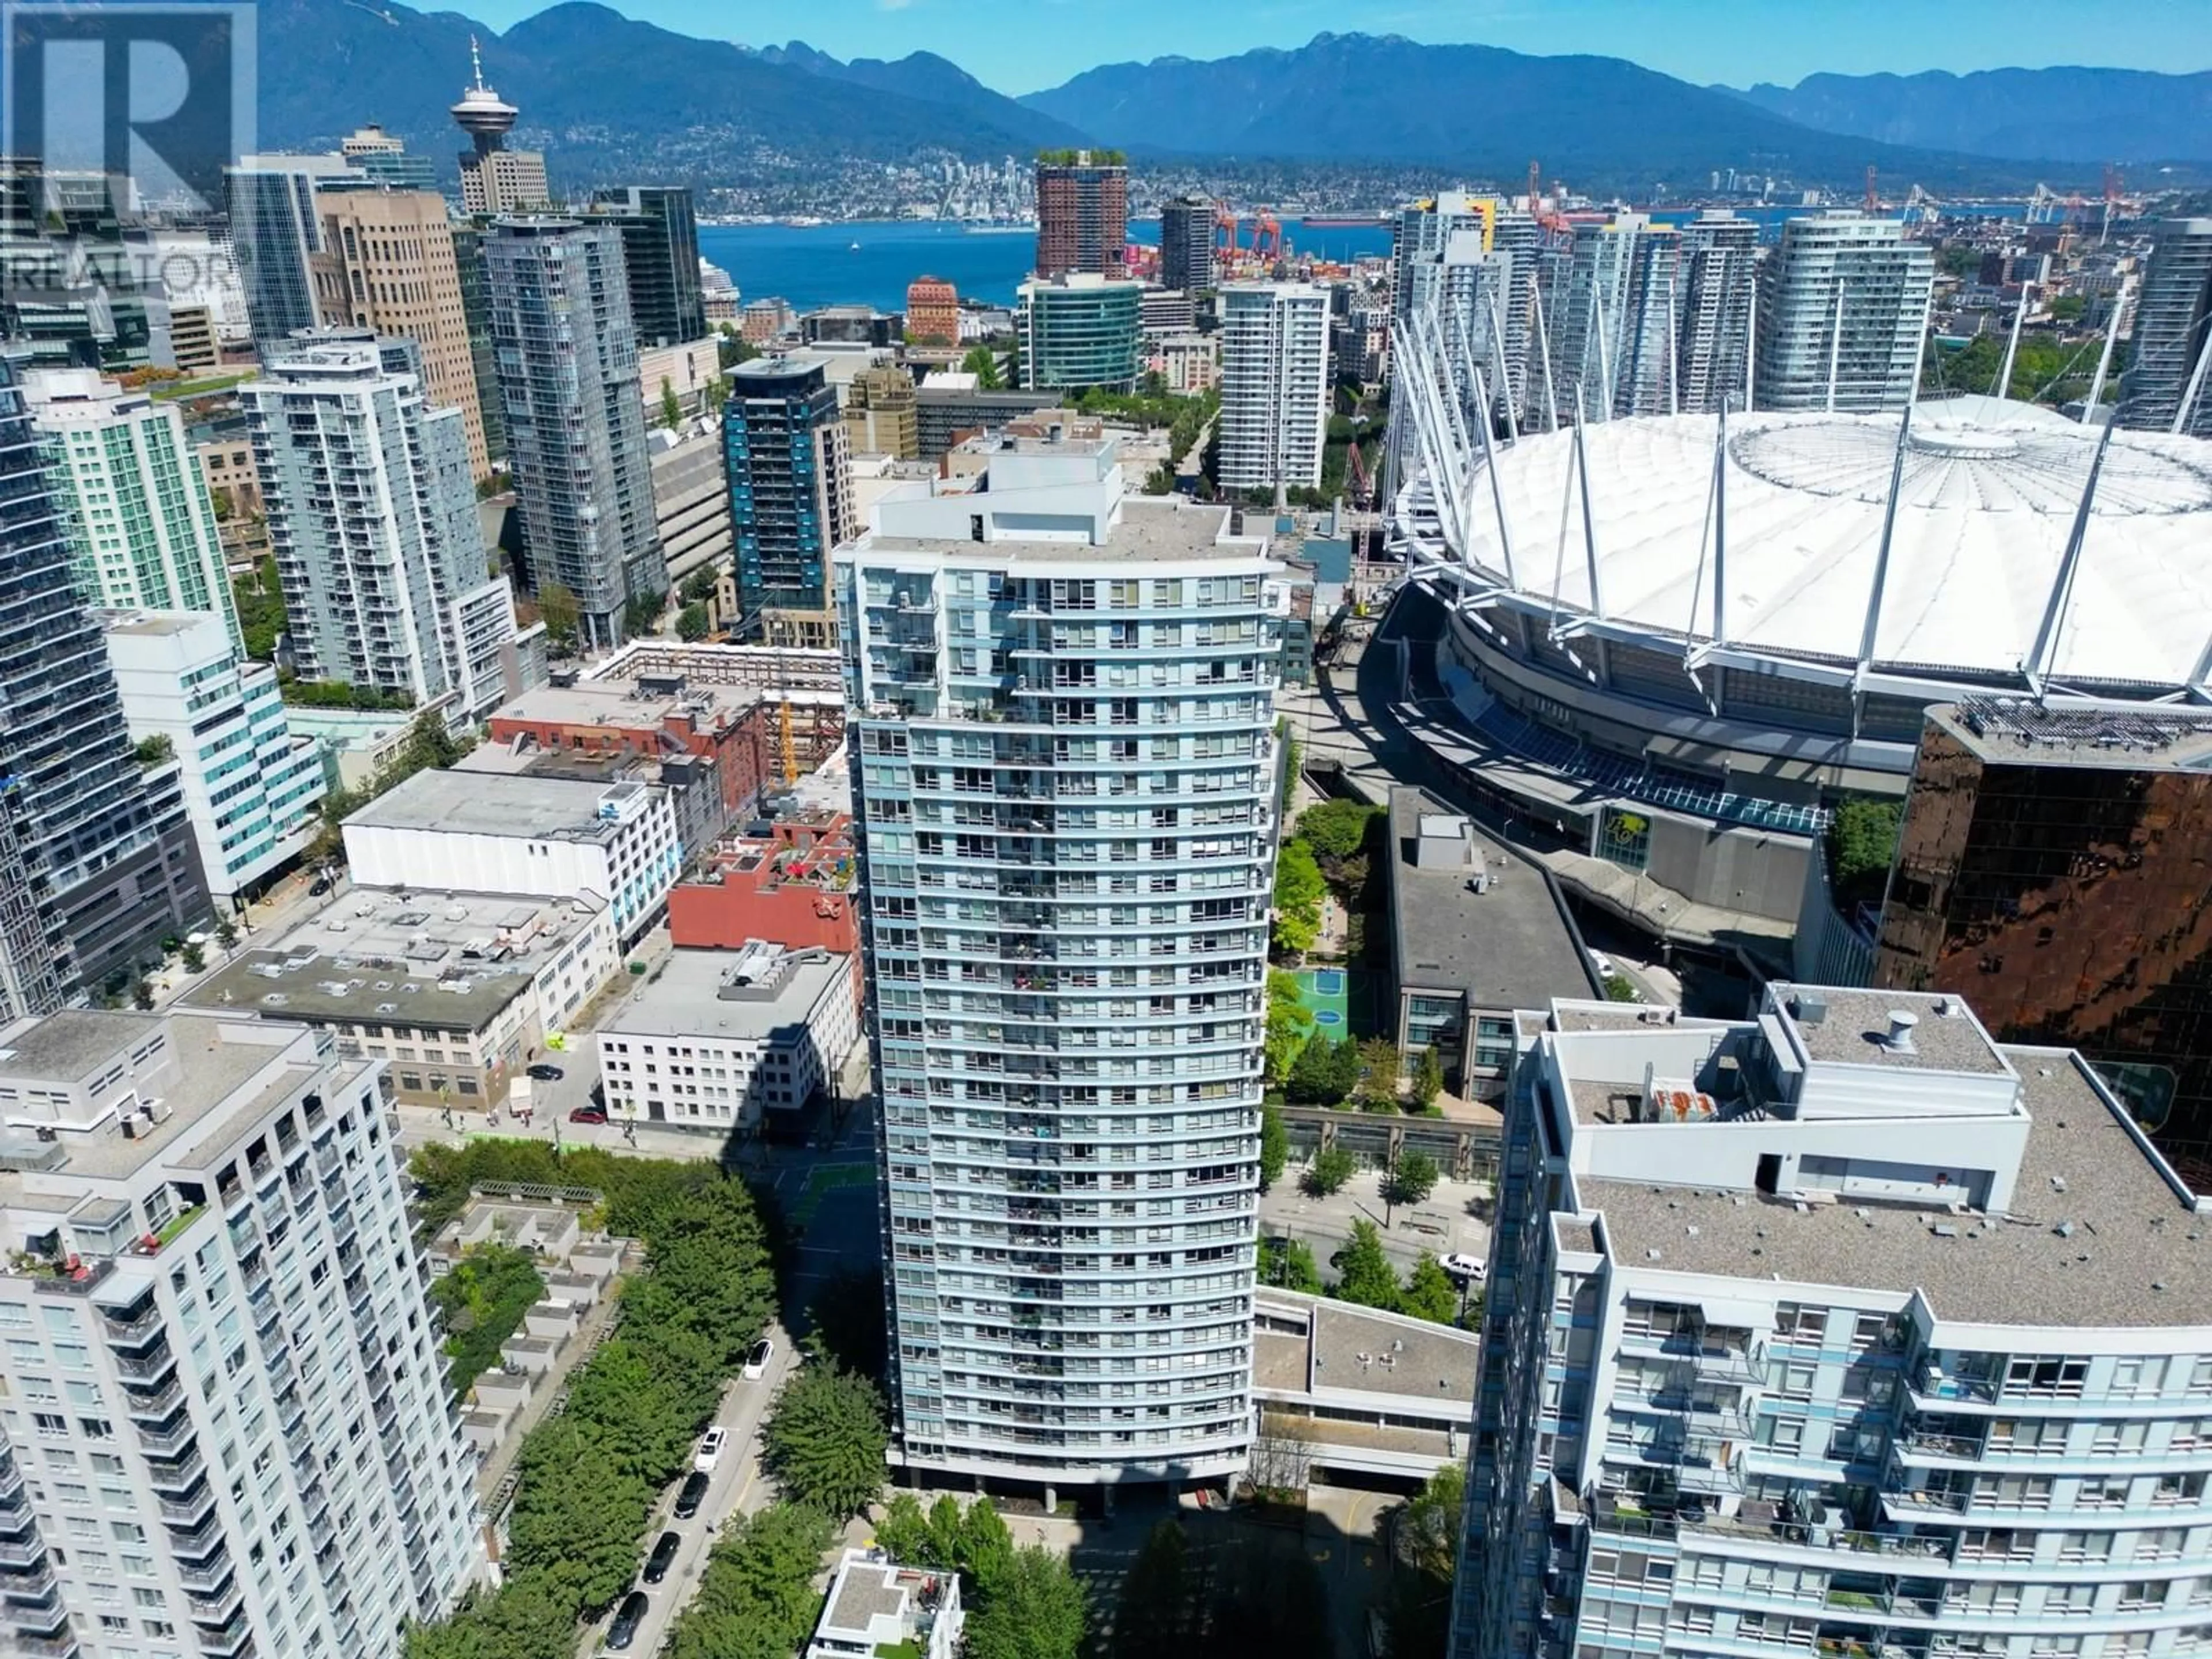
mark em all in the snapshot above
pixel 1066 772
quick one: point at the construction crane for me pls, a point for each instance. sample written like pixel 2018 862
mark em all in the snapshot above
pixel 1266 236
pixel 1363 495
pixel 1550 220
pixel 1225 231
pixel 1872 195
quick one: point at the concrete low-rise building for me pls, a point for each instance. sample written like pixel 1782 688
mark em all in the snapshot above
pixel 530 838
pixel 251 786
pixel 1364 1393
pixel 1476 934
pixel 726 1040
pixel 458 992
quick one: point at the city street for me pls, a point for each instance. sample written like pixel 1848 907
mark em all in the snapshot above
pixel 736 1488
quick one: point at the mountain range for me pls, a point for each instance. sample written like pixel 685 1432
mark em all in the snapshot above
pixel 2067 114
pixel 1598 121
pixel 601 92
pixel 608 96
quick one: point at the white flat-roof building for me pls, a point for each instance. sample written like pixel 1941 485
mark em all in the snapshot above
pixel 459 991
pixel 223 1424
pixel 1843 1329
pixel 875 1606
pixel 534 837
pixel 722 1039
pixel 250 787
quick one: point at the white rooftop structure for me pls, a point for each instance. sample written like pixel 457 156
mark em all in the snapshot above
pixel 1981 565
pixel 874 1606
pixel 1057 488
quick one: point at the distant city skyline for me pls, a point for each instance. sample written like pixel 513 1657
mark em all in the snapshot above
pixel 1734 42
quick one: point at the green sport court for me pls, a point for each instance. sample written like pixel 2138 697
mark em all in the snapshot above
pixel 1338 998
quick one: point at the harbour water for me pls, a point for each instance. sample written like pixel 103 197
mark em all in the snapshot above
pixel 870 263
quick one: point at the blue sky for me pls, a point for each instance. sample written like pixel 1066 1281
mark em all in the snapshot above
pixel 1020 46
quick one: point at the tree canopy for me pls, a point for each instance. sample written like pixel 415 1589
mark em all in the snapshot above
pixel 1290 1024
pixel 1331 1168
pixel 757 1598
pixel 1157 1613
pixel 558 608
pixel 1325 1072
pixel 589 1477
pixel 484 1297
pixel 1033 1608
pixel 1862 840
pixel 1412 1179
pixel 1288 1265
pixel 1364 1274
pixel 1418 1612
pixel 1275 1146
pixel 1337 828
pixel 1429 1293
pixel 825 1439
pixel 1298 890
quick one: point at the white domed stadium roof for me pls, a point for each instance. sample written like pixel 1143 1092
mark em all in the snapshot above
pixel 1987 499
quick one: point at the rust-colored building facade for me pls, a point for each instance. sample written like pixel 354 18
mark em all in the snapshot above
pixel 1083 213
pixel 654 716
pixel 791 886
pixel 2055 868
pixel 933 312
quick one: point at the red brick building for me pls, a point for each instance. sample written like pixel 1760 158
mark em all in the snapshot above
pixel 658 715
pixel 792 886
pixel 933 312
pixel 1083 212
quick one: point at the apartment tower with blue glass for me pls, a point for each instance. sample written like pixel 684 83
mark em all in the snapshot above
pixel 788 459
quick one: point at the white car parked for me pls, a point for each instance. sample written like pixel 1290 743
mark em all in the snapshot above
pixel 1462 1266
pixel 710 1449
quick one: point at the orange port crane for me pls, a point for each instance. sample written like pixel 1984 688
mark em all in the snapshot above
pixel 1266 236
pixel 1550 219
pixel 1225 230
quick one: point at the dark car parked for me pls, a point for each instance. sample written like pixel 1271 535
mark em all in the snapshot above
pixel 663 1557
pixel 627 1617
pixel 693 1495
